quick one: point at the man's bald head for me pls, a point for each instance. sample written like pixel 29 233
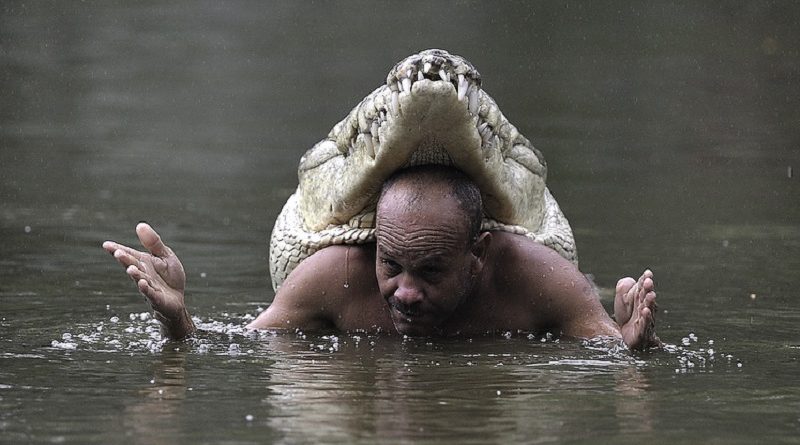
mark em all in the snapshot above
pixel 420 181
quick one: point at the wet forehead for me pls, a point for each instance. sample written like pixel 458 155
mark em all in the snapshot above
pixel 397 239
pixel 419 225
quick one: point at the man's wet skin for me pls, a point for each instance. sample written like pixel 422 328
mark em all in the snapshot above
pixel 430 273
pixel 428 265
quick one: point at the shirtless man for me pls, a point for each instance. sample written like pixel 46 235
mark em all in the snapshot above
pixel 431 272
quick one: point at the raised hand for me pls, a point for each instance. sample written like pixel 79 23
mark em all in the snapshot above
pixel 160 277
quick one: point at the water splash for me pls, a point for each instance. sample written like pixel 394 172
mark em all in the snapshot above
pixel 694 355
pixel 140 332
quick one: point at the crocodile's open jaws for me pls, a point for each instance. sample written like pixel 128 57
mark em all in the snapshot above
pixel 431 110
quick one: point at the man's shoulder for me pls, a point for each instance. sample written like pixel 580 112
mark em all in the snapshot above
pixel 513 248
pixel 520 263
pixel 321 292
pixel 335 273
pixel 332 255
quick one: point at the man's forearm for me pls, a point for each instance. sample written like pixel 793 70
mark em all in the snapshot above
pixel 177 329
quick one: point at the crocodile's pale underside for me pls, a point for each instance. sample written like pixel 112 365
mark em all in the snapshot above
pixel 430 110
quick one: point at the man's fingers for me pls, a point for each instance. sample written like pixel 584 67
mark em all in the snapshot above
pixel 147 290
pixel 112 248
pixel 124 258
pixel 142 281
pixel 135 273
pixel 151 240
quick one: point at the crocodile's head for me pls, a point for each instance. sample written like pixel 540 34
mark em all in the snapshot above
pixel 431 110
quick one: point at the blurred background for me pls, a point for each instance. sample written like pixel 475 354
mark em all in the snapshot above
pixel 664 124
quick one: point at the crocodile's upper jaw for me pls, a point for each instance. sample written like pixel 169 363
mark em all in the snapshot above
pixel 427 110
pixel 431 110
pixel 434 108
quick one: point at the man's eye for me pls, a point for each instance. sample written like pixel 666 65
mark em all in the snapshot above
pixel 390 266
pixel 432 273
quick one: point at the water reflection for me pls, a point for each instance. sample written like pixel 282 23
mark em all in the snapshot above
pixel 156 415
pixel 410 391
pixel 634 410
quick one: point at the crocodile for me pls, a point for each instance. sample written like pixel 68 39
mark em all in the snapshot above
pixel 431 110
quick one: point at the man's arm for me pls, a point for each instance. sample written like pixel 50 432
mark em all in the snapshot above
pixel 573 305
pixel 160 277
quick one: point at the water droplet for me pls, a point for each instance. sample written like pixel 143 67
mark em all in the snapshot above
pixel 248 417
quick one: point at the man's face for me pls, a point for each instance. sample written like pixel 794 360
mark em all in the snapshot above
pixel 423 263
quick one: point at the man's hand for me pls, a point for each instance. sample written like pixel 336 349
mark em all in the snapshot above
pixel 635 311
pixel 160 278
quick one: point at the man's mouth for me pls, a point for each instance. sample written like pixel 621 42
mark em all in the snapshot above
pixel 408 313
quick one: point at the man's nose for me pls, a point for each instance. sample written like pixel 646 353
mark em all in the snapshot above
pixel 407 293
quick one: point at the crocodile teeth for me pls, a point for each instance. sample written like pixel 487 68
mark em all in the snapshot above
pixel 485 132
pixel 462 87
pixel 427 67
pixel 395 102
pixel 407 84
pixel 374 129
pixel 419 75
pixel 370 147
pixel 473 101
pixel 443 74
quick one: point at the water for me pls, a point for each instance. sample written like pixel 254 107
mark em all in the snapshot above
pixel 670 129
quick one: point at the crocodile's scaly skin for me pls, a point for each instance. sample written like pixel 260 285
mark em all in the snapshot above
pixel 430 110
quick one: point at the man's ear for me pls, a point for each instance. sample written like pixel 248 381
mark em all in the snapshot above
pixel 480 251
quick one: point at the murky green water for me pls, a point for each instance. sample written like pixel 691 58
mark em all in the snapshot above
pixel 672 132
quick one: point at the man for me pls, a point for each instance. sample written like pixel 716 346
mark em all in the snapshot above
pixel 431 272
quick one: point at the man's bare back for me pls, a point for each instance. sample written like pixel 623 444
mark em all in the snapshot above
pixel 428 274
